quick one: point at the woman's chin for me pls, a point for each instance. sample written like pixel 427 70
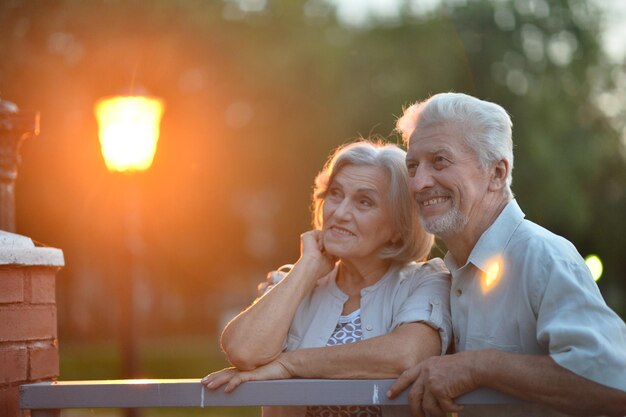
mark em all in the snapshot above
pixel 333 249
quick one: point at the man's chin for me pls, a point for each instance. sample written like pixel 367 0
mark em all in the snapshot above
pixel 444 226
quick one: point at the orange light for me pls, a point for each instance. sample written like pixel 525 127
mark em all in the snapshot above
pixel 492 275
pixel 129 130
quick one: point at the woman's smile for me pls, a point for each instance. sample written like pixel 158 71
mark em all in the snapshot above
pixel 340 232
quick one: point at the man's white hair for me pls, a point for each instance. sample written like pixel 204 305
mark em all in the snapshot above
pixel 487 127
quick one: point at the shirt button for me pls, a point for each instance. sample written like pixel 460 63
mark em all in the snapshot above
pixel 369 327
pixel 435 301
pixel 458 292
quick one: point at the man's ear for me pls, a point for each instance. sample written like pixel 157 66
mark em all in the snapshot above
pixel 499 173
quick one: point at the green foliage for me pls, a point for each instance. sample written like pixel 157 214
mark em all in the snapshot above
pixel 255 102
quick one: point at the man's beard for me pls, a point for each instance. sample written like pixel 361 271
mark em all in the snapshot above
pixel 450 223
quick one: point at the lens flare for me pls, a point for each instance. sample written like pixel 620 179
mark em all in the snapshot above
pixel 595 266
pixel 491 276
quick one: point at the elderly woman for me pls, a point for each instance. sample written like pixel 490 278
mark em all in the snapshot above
pixel 356 304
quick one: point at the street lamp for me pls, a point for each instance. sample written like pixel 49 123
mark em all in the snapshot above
pixel 128 129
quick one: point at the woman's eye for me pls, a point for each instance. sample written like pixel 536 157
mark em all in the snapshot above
pixel 334 193
pixel 367 203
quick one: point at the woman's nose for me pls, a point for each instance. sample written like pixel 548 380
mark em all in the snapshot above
pixel 343 209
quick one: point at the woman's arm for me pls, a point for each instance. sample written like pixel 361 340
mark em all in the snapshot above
pixel 384 356
pixel 256 336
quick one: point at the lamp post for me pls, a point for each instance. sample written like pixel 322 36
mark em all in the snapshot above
pixel 128 128
pixel 15 126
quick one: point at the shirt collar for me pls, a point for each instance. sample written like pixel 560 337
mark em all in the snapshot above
pixel 494 240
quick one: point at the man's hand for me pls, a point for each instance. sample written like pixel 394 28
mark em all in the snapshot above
pixel 233 377
pixel 436 382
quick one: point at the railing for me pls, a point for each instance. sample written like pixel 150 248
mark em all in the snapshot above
pixel 46 399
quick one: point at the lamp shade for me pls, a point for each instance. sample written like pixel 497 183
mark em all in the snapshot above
pixel 128 128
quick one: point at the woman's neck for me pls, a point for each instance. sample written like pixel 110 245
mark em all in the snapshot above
pixel 353 277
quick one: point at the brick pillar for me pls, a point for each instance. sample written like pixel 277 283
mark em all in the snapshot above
pixel 28 319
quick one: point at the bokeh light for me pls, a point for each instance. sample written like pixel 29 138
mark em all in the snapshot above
pixel 595 266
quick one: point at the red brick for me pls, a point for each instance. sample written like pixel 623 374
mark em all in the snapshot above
pixel 18 323
pixel 44 363
pixel 9 402
pixel 42 286
pixel 11 285
pixel 13 365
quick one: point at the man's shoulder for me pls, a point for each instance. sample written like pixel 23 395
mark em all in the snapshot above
pixel 541 258
pixel 535 241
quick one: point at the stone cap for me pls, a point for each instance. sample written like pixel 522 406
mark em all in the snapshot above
pixel 21 250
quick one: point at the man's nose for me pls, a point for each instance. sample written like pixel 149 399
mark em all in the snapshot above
pixel 422 180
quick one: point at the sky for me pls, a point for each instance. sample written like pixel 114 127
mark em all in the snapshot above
pixel 615 33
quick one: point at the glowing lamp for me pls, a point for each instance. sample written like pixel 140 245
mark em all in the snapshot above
pixel 128 128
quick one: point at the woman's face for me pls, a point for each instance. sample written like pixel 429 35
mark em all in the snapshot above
pixel 357 214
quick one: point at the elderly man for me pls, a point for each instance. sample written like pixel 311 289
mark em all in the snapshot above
pixel 527 316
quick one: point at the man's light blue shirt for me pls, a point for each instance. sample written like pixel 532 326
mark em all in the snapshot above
pixel 527 290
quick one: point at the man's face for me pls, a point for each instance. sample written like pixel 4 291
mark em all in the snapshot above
pixel 446 179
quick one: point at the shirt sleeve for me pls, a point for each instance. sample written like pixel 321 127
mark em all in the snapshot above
pixel 427 300
pixel 583 334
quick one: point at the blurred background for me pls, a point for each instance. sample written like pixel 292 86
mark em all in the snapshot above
pixel 257 93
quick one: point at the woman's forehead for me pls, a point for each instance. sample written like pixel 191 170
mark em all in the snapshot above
pixel 363 178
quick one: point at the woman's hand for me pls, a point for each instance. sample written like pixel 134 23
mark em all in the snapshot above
pixel 312 250
pixel 232 377
pixel 215 380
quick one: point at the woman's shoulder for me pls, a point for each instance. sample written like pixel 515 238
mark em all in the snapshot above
pixel 417 274
pixel 420 279
pixel 432 266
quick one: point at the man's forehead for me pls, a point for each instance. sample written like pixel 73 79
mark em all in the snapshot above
pixel 437 136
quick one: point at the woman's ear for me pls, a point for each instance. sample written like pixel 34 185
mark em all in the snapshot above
pixel 499 173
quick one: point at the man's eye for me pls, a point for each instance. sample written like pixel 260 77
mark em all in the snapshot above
pixel 441 162
pixel 412 168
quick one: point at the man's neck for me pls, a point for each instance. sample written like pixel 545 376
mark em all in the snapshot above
pixel 461 244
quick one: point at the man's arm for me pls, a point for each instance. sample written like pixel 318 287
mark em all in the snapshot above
pixel 538 379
